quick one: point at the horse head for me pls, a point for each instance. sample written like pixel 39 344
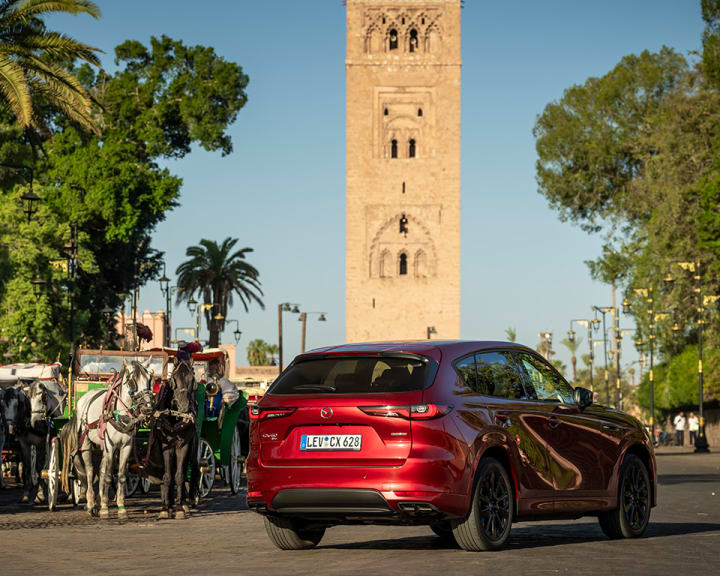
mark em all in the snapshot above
pixel 37 395
pixel 140 380
pixel 183 387
pixel 16 409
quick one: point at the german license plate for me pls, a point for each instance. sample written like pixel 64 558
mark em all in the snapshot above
pixel 331 442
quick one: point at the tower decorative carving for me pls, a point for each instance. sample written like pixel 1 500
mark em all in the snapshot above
pixel 403 169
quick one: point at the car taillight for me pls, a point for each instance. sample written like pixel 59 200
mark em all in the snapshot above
pixel 257 413
pixel 414 412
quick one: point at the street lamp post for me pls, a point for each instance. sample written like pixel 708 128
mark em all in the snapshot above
pixel 167 292
pixel 71 252
pixel 605 310
pixel 303 319
pixel 237 333
pixel 284 307
pixel 571 337
pixel 701 443
pixel 653 317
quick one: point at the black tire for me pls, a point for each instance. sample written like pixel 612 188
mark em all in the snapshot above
pixel 632 515
pixel 488 523
pixel 443 528
pixel 290 535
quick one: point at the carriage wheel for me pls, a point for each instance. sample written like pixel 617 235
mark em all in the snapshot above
pixel 206 459
pixel 145 485
pixel 237 463
pixel 53 479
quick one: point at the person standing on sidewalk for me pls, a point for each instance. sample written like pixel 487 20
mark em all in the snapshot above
pixel 693 427
pixel 679 429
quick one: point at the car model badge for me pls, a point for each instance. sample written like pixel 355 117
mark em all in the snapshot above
pixel 326 412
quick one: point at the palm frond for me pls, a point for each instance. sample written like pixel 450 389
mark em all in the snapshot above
pixel 14 87
pixel 34 8
pixel 61 46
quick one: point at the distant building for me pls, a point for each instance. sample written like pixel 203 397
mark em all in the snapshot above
pixel 403 169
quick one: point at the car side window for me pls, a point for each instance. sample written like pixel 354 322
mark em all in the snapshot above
pixel 547 384
pixel 465 367
pixel 497 375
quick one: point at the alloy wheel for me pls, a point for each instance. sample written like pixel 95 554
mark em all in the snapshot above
pixel 494 504
pixel 636 497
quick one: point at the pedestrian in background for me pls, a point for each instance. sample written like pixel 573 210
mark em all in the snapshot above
pixel 680 429
pixel 693 427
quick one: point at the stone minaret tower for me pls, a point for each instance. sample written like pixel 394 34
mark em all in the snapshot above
pixel 403 169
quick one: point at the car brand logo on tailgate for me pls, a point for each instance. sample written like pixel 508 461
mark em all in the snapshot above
pixel 326 412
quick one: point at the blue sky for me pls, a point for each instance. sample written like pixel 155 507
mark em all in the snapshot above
pixel 282 191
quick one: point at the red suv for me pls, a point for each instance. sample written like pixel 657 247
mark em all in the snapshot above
pixel 466 437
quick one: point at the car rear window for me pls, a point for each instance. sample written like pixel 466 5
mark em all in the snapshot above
pixel 353 375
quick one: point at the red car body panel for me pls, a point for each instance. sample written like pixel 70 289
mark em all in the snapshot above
pixel 563 460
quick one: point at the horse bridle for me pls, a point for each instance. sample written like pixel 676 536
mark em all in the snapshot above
pixel 186 416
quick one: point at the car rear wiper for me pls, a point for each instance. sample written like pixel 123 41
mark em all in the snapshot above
pixel 323 387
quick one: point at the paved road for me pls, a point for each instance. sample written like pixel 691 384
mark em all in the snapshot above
pixel 223 538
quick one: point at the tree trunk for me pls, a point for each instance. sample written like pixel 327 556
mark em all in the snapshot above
pixel 573 359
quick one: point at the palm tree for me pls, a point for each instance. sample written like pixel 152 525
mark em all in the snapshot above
pixel 216 273
pixel 257 352
pixel 572 346
pixel 30 57
pixel 511 334
pixel 260 353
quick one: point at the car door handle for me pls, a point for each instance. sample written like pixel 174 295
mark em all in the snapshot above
pixel 554 421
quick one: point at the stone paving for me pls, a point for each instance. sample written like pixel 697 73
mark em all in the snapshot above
pixel 222 537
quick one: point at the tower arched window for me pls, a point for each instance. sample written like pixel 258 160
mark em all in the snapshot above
pixel 403 264
pixel 394 149
pixel 393 39
pixel 411 148
pixel 413 40
pixel 419 111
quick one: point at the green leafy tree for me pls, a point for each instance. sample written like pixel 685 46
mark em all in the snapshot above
pixel 589 142
pixel 216 272
pixel 160 101
pixel 31 60
pixel 635 154
pixel 511 334
pixel 711 41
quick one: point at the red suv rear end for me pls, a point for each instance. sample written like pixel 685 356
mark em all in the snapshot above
pixel 392 433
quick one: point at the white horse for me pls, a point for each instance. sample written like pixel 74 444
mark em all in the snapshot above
pixel 107 419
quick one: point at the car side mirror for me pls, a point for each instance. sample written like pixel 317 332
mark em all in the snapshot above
pixel 583 397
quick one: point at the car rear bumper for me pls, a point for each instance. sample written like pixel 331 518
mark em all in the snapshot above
pixel 411 493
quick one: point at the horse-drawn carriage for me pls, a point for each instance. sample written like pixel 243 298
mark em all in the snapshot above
pixel 97 372
pixel 11 449
pixel 223 423
pixel 114 404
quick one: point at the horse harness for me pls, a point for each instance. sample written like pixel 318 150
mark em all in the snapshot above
pixel 123 418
